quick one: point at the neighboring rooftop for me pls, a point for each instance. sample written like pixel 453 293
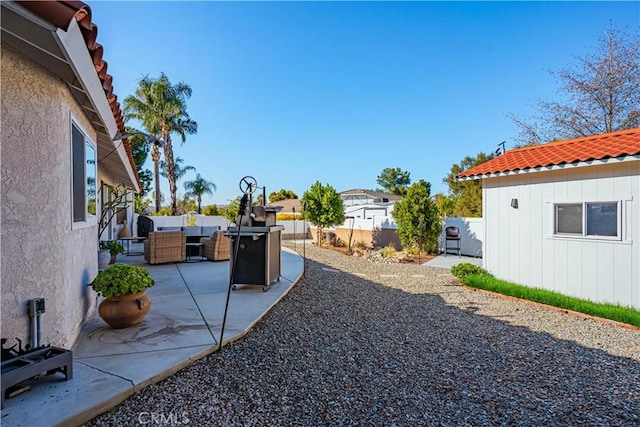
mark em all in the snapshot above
pixel 570 152
pixel 287 205
pixel 378 195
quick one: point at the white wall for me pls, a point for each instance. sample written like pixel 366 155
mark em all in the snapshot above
pixel 520 246
pixel 43 253
pixel 379 221
pixel 471 233
pixel 181 221
pixel 295 226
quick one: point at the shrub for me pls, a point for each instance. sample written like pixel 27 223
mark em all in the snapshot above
pixel 121 279
pixel 412 250
pixel 360 244
pixel 113 245
pixel 388 251
pixel 338 242
pixel 465 269
pixel 288 216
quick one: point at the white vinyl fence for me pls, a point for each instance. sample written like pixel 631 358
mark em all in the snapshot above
pixel 471 234
pixel 181 221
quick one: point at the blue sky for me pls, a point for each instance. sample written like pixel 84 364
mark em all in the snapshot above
pixel 298 92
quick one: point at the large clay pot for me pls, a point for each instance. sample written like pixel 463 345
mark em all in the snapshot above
pixel 125 310
pixel 124 231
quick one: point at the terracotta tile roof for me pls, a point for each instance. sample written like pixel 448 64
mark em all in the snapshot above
pixel 287 205
pixel 596 147
pixel 60 14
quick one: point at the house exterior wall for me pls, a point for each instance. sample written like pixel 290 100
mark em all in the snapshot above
pixel 42 255
pixel 520 246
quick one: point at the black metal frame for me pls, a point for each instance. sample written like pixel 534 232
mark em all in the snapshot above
pixel 454 236
pixel 33 364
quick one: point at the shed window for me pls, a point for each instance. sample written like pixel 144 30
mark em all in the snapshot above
pixel 569 218
pixel 589 219
pixel 602 219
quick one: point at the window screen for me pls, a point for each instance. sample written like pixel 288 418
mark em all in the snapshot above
pixel 602 219
pixel 569 218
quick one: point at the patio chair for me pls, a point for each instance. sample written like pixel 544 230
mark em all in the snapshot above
pixel 145 226
pixel 452 234
pixel 165 246
pixel 217 247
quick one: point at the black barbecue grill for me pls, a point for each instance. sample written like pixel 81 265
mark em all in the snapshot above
pixel 259 258
pixel 256 242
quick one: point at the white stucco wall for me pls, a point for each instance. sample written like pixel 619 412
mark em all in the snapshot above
pixel 41 254
pixel 520 245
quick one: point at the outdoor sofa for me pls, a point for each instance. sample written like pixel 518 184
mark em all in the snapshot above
pixel 165 246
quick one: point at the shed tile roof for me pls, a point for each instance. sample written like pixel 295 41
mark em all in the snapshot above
pixel 60 14
pixel 589 148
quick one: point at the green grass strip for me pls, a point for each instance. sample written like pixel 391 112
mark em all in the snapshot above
pixel 615 312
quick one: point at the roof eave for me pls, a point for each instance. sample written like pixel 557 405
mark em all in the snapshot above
pixel 607 160
pixel 75 49
pixel 66 54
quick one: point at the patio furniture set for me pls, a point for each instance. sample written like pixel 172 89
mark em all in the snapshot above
pixel 182 244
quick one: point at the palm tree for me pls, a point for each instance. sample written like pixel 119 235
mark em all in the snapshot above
pixel 178 170
pixel 198 187
pixel 161 108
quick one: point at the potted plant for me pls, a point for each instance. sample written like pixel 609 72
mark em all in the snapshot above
pixel 123 287
pixel 114 200
pixel 114 248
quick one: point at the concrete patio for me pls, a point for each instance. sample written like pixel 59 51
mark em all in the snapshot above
pixel 184 324
pixel 449 261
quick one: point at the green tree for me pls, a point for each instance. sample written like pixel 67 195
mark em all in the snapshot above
pixel 212 210
pixel 601 94
pixel 166 211
pixel 323 207
pixel 186 205
pixel 199 187
pixel 161 108
pixel 445 204
pixel 419 223
pixel 394 181
pixel 466 195
pixel 140 147
pixel 231 211
pixel 282 194
pixel 179 171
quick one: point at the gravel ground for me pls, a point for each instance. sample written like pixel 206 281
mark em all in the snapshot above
pixel 401 345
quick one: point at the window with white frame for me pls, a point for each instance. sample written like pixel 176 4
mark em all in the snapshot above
pixel 588 219
pixel 83 179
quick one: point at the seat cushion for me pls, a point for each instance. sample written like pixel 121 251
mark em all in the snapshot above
pixel 192 231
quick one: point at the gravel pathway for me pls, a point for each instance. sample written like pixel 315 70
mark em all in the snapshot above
pixel 358 343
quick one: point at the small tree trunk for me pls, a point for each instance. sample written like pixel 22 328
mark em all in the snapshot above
pixel 155 156
pixel 319 236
